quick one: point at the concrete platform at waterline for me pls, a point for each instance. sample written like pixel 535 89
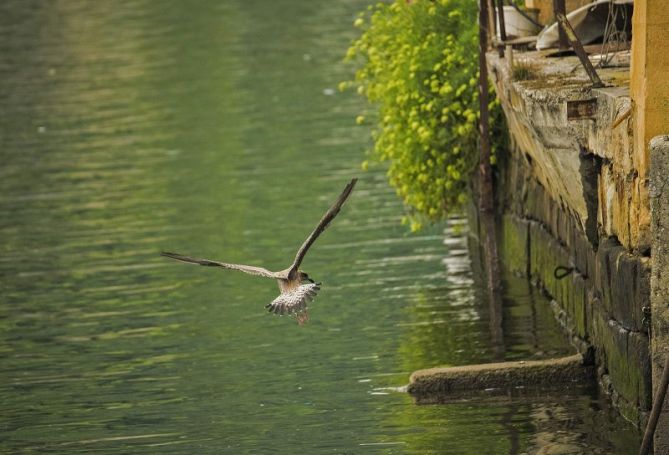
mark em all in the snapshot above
pixel 563 372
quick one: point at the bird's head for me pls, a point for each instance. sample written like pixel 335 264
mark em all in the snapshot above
pixel 304 276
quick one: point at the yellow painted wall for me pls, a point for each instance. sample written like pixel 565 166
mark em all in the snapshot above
pixel 545 8
pixel 649 88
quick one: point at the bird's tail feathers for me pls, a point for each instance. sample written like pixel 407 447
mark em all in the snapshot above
pixel 294 301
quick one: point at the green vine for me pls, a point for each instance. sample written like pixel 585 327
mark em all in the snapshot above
pixel 418 63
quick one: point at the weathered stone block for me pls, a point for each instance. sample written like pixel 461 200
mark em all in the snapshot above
pixel 638 348
pixel 598 329
pixel 534 202
pixel 623 280
pixel 623 290
pixel 617 364
pixel 642 295
pixel 553 221
pixel 624 355
pixel 545 255
pixel 567 229
pixel 566 293
pixel 583 254
pixel 562 372
pixel 579 306
pixel 515 182
pixel 605 271
pixel 536 259
pixel 515 244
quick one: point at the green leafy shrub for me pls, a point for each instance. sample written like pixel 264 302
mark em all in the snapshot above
pixel 418 62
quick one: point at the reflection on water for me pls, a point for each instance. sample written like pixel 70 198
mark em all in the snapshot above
pixel 212 128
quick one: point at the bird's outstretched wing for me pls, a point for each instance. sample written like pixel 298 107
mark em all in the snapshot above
pixel 295 300
pixel 258 271
pixel 325 221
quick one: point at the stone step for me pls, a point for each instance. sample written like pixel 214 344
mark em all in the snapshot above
pixel 562 372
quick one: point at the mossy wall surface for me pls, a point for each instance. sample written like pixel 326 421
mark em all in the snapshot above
pixel 600 302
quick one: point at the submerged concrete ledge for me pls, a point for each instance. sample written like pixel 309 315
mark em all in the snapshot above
pixel 562 372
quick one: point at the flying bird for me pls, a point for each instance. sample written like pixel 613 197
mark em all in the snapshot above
pixel 297 288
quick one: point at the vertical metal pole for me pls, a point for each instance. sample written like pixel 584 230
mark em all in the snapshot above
pixel 486 196
pixel 484 128
pixel 502 26
pixel 492 23
pixel 559 8
pixel 660 395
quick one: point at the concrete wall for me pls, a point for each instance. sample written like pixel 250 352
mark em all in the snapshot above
pixel 560 147
pixel 659 197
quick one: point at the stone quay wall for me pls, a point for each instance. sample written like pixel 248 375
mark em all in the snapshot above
pixel 574 214
pixel 600 302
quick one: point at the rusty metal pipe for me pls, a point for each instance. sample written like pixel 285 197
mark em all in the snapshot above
pixel 578 48
pixel 660 395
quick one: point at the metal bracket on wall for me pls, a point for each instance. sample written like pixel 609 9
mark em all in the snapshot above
pixel 582 109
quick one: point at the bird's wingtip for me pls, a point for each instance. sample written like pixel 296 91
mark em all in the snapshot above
pixel 350 185
pixel 171 255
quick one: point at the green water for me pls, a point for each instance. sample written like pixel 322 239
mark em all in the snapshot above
pixel 211 128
